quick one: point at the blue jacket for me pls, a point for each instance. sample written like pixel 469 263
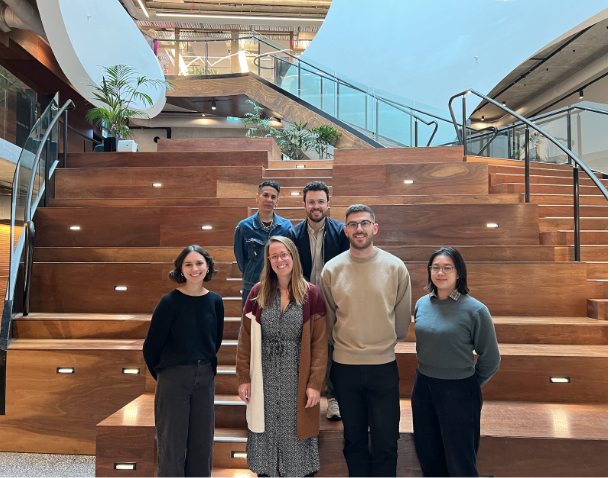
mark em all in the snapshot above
pixel 249 245
pixel 335 242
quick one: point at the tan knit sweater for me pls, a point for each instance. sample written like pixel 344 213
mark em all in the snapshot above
pixel 368 306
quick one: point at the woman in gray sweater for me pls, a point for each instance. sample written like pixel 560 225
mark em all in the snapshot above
pixel 446 399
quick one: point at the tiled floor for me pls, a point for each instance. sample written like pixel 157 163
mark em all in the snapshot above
pixel 38 464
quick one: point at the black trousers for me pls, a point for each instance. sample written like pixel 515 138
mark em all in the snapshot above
pixel 368 396
pixel 447 425
pixel 184 419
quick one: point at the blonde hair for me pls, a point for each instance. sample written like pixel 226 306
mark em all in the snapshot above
pixel 269 281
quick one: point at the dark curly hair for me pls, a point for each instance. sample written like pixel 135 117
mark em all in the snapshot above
pixel 176 274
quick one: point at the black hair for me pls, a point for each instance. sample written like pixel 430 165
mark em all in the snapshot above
pixel 316 186
pixel 354 208
pixel 177 276
pixel 272 184
pixel 460 269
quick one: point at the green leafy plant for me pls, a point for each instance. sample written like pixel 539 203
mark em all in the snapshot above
pixel 258 127
pixel 324 136
pixel 118 90
pixel 294 141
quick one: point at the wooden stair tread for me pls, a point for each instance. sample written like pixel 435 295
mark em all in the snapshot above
pixel 85 316
pixel 75 344
pixel 232 472
pixel 586 321
pixel 544 350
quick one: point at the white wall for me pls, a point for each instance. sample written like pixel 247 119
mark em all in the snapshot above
pixel 425 50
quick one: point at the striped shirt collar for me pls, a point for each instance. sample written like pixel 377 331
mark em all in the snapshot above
pixel 455 295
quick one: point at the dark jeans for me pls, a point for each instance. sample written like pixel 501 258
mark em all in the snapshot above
pixel 329 391
pixel 184 419
pixel 447 424
pixel 368 396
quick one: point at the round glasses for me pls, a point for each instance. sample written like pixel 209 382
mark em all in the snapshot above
pixel 284 256
pixel 445 269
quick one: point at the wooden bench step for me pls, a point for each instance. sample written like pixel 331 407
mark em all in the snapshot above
pixel 566 237
pixel 320 173
pixel 543 189
pixel 568 211
pixel 552 224
pixel 248 201
pixel 598 309
pixel 597 270
pixel 587 253
pixel 321 164
pixel 535 170
pixel 568 199
pixel 500 178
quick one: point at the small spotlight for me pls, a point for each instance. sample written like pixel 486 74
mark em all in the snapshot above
pixel 300 165
pixel 75 228
pixel 482 118
pixel 124 466
pixel 65 369
pixel 131 371
pixel 206 228
pixel 239 454
pixel 504 103
pixel 295 193
pixel 409 181
pixel 213 105
pixel 581 94
pixel 559 379
pixel 157 185
pixel 202 114
pixel 492 224
pixel 120 287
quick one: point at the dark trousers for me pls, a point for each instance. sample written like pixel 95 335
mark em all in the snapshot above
pixel 368 396
pixel 184 419
pixel 447 425
pixel 329 391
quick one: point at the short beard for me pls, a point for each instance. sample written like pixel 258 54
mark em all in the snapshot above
pixel 316 220
pixel 368 242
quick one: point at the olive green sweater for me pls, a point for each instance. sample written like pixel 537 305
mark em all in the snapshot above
pixel 368 306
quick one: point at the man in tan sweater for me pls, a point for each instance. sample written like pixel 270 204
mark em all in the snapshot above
pixel 368 308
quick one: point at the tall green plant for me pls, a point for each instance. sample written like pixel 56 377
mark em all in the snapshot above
pixel 294 141
pixel 324 136
pixel 118 90
pixel 257 126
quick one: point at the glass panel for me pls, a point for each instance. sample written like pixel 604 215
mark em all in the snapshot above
pixel 351 105
pixel 289 77
pixel 329 96
pixel 590 138
pixel 394 125
pixel 311 87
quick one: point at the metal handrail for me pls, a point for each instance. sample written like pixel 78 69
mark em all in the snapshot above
pixel 30 230
pixel 578 163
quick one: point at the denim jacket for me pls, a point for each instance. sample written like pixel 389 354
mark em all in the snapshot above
pixel 251 235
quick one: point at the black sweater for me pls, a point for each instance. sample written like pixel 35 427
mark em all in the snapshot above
pixel 183 330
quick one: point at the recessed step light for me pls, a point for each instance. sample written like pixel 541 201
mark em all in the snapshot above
pixel 559 379
pixel 295 193
pixel 124 466
pixel 492 224
pixel 409 181
pixel 206 228
pixel 239 454
pixel 300 165
pixel 131 371
pixel 75 228
pixel 120 287
pixel 65 369
pixel 157 185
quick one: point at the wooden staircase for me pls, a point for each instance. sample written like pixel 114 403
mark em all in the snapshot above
pixel 545 306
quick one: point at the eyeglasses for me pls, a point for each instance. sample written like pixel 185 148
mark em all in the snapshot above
pixel 353 226
pixel 284 256
pixel 319 202
pixel 446 269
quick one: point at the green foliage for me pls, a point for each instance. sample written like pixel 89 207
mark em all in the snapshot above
pixel 119 89
pixel 258 127
pixel 324 136
pixel 294 141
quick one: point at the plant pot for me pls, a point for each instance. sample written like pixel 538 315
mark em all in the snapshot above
pixel 110 144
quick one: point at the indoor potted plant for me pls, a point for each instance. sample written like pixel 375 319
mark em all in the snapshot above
pixel 324 136
pixel 119 88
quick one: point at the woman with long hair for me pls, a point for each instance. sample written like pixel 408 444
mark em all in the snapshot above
pixel 281 364
pixel 180 351
pixel 446 399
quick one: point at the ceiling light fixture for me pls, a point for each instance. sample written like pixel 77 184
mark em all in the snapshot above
pixel 504 103
pixel 214 104
pixel 482 118
pixel 581 94
pixel 143 9
pixel 239 17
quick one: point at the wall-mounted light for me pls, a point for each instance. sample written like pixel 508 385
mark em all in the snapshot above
pixel 131 371
pixel 409 181
pixel 213 105
pixel 239 454
pixel 559 379
pixel 65 369
pixel 492 224
pixel 156 185
pixel 125 466
pixel 295 193
pixel 75 228
pixel 581 94
pixel 206 228
pixel 120 287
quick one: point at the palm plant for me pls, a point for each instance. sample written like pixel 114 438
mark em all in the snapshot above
pixel 118 91
pixel 294 141
pixel 324 136
pixel 258 127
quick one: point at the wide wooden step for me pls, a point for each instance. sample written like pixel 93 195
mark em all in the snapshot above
pixel 500 178
pixel 320 174
pixel 552 224
pixel 552 210
pixel 587 253
pixel 544 189
pixel 305 164
pixel 249 201
pixel 566 237
pixel 568 199
pixel 513 437
pixel 536 170
pixel 441 154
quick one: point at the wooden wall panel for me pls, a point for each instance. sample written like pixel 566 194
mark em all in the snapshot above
pixel 162 159
pixel 172 202
pixel 429 179
pixel 221 144
pixel 478 253
pixel 49 412
pixel 53 286
pixel 238 182
pixel 439 154
pixel 453 224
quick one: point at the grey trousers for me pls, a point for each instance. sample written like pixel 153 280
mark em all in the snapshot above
pixel 184 419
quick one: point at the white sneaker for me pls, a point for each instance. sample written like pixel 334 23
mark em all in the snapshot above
pixel 332 412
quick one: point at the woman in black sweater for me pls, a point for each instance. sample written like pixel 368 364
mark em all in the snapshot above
pixel 180 351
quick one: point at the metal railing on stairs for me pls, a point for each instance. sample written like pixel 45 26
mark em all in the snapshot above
pixel 461 134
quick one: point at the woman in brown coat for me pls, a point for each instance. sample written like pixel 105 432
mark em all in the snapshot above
pixel 281 364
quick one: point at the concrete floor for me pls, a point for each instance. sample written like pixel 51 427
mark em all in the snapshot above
pixel 39 464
